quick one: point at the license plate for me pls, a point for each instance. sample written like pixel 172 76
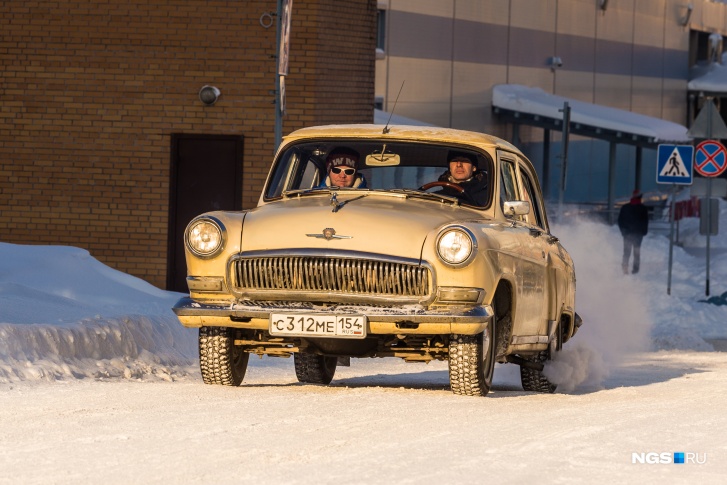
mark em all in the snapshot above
pixel 318 325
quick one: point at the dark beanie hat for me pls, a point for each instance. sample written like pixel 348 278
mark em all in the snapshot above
pixel 455 155
pixel 341 156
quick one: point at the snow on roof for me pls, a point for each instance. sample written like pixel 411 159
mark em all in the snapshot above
pixel 535 101
pixel 709 79
pixel 382 118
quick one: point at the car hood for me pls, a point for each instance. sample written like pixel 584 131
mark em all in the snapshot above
pixel 373 223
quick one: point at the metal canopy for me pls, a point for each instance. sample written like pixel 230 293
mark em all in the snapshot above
pixel 533 106
pixel 709 79
pixel 612 136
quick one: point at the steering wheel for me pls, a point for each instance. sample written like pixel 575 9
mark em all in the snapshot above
pixel 439 183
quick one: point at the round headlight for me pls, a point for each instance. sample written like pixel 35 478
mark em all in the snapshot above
pixel 205 237
pixel 455 245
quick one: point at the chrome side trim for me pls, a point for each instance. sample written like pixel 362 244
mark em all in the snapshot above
pixel 529 339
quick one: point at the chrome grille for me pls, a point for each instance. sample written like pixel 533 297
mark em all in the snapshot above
pixel 329 275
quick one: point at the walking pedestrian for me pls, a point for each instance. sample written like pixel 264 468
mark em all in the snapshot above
pixel 633 221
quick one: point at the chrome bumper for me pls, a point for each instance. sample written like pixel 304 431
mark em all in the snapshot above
pixel 411 319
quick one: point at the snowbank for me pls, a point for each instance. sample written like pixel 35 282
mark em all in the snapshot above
pixel 63 314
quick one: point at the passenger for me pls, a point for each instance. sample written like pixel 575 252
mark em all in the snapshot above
pixel 464 172
pixel 341 170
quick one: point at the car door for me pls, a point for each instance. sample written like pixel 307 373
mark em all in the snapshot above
pixel 540 246
pixel 560 280
pixel 528 259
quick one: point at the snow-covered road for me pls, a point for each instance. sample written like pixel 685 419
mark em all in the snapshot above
pixel 99 384
pixel 382 421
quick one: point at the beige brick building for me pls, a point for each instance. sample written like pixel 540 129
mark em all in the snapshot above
pixel 104 142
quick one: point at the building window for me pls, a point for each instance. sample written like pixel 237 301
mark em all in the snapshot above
pixel 381 33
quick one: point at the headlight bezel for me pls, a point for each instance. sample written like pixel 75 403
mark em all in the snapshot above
pixel 219 228
pixel 456 262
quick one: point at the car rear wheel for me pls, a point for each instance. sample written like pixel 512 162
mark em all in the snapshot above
pixel 532 377
pixel 472 362
pixel 314 368
pixel 220 360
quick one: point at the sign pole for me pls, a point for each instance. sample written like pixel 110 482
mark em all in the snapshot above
pixel 710 159
pixel 278 131
pixel 710 124
pixel 674 164
pixel 672 216
pixel 284 11
pixel 564 158
pixel 709 227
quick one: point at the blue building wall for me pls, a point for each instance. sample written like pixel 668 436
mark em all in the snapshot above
pixel 587 177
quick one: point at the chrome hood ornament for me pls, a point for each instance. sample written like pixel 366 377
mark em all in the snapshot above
pixel 334 202
pixel 328 234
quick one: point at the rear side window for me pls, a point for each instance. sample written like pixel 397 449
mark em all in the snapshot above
pixel 508 191
pixel 535 217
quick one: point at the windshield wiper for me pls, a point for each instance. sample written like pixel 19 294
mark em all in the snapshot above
pixel 338 205
pixel 300 192
pixel 427 195
pixel 325 190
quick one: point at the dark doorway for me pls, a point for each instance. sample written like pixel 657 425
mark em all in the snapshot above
pixel 206 175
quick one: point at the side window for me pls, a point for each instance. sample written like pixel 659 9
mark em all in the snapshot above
pixel 508 189
pixel 536 216
pixel 281 177
pixel 311 176
pixel 297 170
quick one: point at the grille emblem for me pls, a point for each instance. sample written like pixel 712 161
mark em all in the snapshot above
pixel 328 234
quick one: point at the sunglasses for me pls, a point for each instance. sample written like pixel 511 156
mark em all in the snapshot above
pixel 347 171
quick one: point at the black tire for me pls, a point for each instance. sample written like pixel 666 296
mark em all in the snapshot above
pixel 533 380
pixel 313 368
pixel 472 362
pixel 220 360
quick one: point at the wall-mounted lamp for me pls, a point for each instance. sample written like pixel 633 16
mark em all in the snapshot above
pixel 685 20
pixel 266 19
pixel 603 4
pixel 209 95
pixel 555 63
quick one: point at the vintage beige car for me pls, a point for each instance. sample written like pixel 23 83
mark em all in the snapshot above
pixel 404 265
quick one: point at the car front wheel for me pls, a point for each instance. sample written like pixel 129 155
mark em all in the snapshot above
pixel 472 362
pixel 220 360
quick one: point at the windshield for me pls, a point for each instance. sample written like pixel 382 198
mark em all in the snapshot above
pixel 382 165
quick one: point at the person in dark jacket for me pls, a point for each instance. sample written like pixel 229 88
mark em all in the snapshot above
pixel 633 221
pixel 464 172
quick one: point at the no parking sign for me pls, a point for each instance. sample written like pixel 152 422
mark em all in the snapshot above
pixel 710 158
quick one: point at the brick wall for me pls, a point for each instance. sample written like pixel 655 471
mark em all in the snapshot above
pixel 91 91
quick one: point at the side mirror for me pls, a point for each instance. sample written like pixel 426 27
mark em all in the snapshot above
pixel 513 208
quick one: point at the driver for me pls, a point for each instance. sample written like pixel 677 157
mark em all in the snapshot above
pixel 463 172
pixel 341 170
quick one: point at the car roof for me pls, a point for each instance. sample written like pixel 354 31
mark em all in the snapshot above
pixel 403 132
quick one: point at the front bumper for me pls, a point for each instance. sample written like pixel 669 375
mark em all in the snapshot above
pixel 408 319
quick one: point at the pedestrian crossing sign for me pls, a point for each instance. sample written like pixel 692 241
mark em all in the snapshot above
pixel 674 164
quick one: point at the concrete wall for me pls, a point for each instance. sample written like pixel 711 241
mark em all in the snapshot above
pixel 634 56
pixel 449 53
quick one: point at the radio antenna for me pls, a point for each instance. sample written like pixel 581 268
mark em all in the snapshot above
pixel 386 128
